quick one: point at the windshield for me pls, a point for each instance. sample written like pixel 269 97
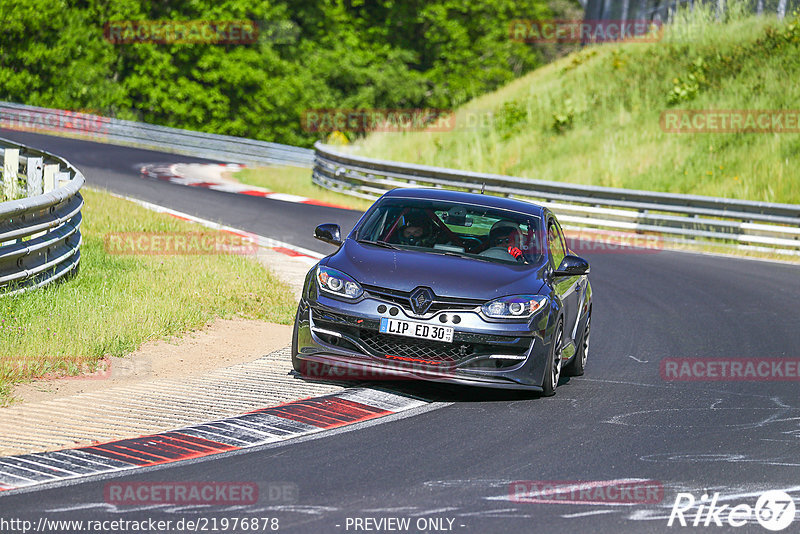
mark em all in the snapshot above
pixel 441 227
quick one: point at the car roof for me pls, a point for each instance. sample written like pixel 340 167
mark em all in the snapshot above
pixel 490 201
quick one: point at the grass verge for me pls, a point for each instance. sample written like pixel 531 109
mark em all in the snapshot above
pixel 297 181
pixel 117 302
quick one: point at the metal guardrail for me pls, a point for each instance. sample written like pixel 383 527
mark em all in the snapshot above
pixel 39 233
pixel 687 219
pixel 116 131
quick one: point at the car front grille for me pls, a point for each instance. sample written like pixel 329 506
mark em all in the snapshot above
pixel 363 335
pixel 403 299
pixel 415 350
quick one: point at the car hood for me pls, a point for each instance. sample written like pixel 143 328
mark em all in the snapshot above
pixel 447 276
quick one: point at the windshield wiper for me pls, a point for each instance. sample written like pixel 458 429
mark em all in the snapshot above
pixel 450 253
pixel 382 244
pixel 466 255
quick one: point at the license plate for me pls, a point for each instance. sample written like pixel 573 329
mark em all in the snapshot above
pixel 417 330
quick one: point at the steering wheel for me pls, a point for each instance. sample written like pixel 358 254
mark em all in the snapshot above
pixel 471 243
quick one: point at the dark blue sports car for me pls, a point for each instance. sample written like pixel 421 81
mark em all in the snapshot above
pixel 447 286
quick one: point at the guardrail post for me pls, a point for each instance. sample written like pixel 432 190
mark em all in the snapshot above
pixel 35 168
pixel 50 177
pixel 10 172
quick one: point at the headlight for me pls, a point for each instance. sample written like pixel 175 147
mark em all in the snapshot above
pixel 338 283
pixel 514 307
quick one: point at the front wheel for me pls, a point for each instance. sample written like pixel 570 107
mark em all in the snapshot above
pixel 578 364
pixel 296 363
pixel 553 369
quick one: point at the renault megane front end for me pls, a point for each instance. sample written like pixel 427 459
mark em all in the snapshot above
pixel 447 286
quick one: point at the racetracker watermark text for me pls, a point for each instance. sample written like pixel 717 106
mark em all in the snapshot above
pixel 397 368
pixel 584 31
pixel 377 120
pixel 56 120
pixel 586 492
pixel 730 369
pixel 179 243
pixel 199 493
pixel 591 241
pixel 730 121
pixel 181 493
pixel 181 32
pixel 73 368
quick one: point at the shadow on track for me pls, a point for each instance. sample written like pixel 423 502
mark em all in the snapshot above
pixel 437 392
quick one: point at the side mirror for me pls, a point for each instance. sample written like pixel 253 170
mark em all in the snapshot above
pixel 572 266
pixel 329 233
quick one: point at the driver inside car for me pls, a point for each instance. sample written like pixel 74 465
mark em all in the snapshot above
pixel 417 231
pixel 505 239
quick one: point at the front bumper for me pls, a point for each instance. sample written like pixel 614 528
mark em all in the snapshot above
pixel 334 334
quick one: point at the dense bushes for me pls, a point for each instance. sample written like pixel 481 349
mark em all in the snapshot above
pixel 309 54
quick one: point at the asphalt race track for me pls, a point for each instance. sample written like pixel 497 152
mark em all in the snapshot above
pixel 116 168
pixel 620 421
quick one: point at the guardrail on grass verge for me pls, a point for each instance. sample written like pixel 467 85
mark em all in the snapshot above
pixel 39 220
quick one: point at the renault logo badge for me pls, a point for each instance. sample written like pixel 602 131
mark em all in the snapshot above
pixel 421 300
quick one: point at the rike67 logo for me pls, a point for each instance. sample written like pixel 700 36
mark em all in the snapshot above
pixel 774 511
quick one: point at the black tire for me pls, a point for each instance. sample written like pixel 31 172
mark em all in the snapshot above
pixel 553 368
pixel 296 363
pixel 578 364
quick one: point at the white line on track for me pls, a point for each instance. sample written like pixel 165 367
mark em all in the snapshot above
pixel 584 514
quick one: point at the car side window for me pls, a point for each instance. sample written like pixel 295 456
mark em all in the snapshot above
pixel 556 243
pixel 564 242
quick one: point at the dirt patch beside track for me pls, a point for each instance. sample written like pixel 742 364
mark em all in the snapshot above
pixel 223 343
